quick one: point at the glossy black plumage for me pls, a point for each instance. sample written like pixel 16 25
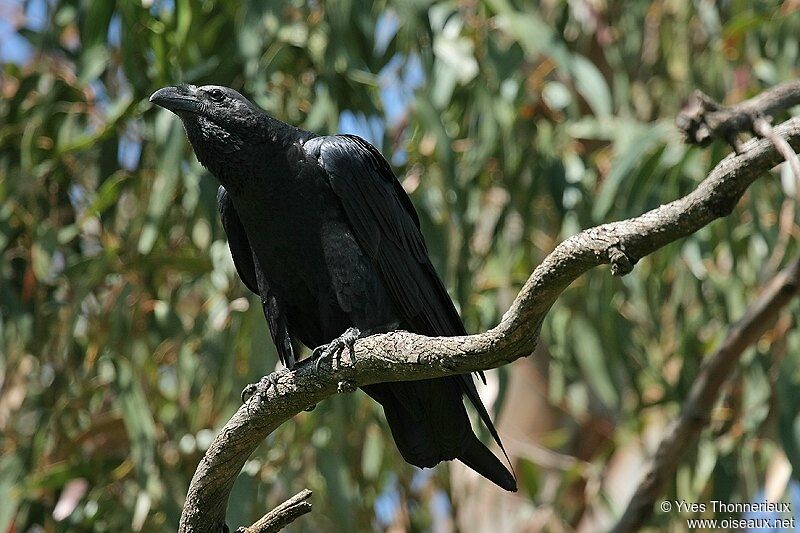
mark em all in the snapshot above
pixel 322 230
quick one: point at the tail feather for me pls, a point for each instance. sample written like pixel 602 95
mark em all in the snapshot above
pixel 479 458
pixel 429 424
pixel 468 386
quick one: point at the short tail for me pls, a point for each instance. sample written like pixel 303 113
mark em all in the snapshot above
pixel 479 458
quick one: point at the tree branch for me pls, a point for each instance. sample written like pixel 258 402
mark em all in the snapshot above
pixel 762 127
pixel 758 318
pixel 702 119
pixel 282 515
pixel 400 356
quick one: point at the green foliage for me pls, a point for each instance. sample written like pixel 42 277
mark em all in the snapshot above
pixel 126 335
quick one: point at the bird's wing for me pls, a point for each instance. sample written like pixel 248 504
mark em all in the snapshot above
pixel 237 240
pixel 386 226
pixel 253 277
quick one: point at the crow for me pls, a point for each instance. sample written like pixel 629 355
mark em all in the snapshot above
pixel 321 229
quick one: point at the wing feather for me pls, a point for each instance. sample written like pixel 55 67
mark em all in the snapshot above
pixel 237 240
pixel 387 228
pixel 253 278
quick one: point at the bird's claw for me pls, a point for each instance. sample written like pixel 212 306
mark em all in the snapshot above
pixel 261 387
pixel 333 350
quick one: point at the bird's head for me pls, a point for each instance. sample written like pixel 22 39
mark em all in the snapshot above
pixel 219 121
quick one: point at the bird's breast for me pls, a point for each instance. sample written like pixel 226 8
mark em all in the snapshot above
pixel 285 215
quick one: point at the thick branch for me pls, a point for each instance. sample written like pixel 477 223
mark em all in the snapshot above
pixel 399 356
pixel 696 412
pixel 702 119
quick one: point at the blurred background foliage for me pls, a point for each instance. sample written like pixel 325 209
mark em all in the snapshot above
pixel 126 335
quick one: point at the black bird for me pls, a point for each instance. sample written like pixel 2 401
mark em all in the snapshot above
pixel 321 229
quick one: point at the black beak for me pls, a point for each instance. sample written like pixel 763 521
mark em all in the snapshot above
pixel 177 99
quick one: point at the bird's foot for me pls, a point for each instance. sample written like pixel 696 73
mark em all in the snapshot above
pixel 261 387
pixel 333 350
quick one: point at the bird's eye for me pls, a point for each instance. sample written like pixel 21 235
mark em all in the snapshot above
pixel 216 95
